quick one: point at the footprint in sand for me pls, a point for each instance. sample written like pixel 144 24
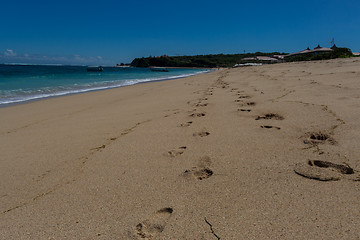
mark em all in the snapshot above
pixel 176 152
pixel 197 114
pixel 154 225
pixel 323 170
pixel 242 103
pixel 200 174
pixel 244 110
pixel 201 171
pixel 187 124
pixel 99 148
pixel 201 105
pixel 201 134
pixel 250 103
pixel 193 102
pixel 270 116
pixel 316 138
pixel 243 96
pixel 225 85
pixel 268 126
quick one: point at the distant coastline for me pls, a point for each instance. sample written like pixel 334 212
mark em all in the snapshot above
pixel 231 60
pixel 197 61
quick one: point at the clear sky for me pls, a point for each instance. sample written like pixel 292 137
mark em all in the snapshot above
pixel 110 32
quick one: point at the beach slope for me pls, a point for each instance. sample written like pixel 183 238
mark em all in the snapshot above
pixel 265 152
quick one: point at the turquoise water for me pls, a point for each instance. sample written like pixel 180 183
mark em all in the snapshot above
pixel 20 83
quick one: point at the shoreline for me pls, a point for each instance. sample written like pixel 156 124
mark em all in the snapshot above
pixel 74 92
pixel 237 152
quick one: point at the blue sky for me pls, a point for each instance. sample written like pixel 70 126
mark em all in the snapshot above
pixel 110 32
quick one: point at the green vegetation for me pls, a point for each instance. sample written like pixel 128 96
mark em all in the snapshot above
pixel 200 61
pixel 229 60
pixel 337 53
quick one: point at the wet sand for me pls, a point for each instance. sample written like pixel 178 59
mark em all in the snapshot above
pixel 266 152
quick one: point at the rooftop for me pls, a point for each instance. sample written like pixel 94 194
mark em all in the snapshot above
pixel 308 50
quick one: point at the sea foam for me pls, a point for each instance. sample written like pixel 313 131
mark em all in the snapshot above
pixel 20 83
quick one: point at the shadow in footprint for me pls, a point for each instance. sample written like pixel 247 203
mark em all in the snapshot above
pixel 268 127
pixel 201 105
pixel 152 227
pixel 244 110
pixel 250 103
pixel 99 148
pixel 201 171
pixel 200 174
pixel 241 103
pixel 187 124
pixel 344 169
pixel 176 152
pixel 322 170
pixel 270 116
pixel 318 138
pixel 201 134
pixel 243 96
pixel 197 115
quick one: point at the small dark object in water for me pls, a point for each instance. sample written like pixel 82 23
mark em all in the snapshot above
pixel 159 70
pixel 94 69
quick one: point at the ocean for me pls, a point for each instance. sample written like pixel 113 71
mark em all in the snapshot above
pixel 21 83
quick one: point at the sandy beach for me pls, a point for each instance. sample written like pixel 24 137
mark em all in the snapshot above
pixel 265 152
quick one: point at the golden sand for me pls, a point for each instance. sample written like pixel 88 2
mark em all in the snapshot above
pixel 233 154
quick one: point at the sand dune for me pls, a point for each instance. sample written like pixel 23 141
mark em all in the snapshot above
pixel 265 152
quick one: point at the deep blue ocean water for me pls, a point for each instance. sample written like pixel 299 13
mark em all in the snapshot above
pixel 19 83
